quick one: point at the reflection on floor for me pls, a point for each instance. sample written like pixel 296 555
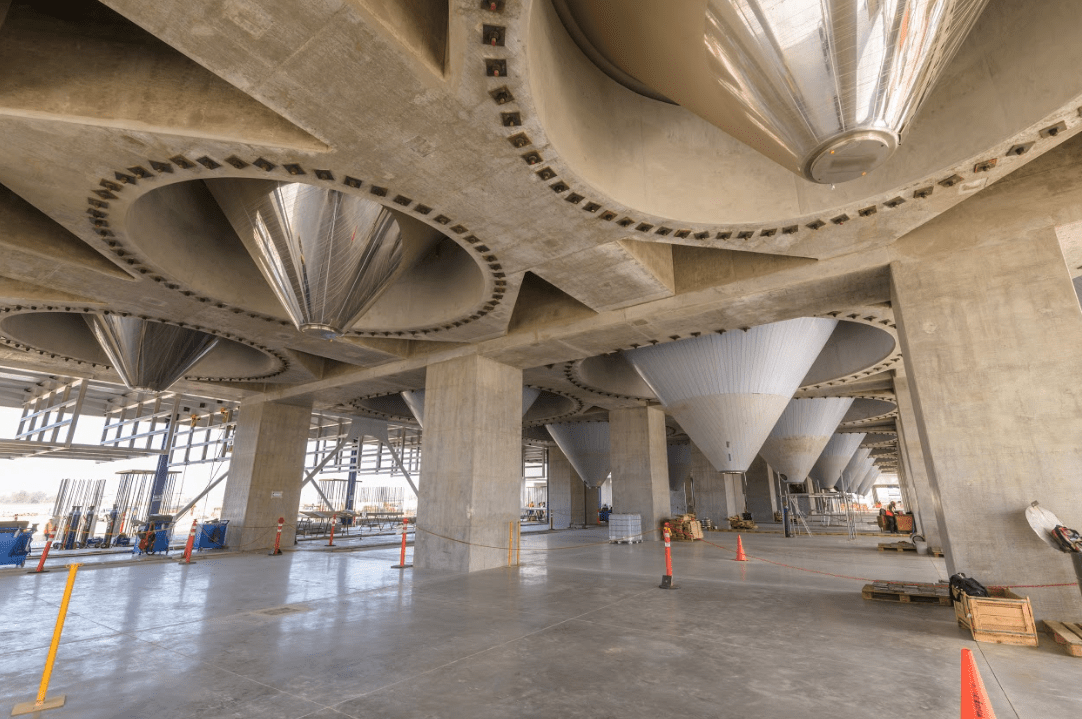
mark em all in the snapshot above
pixel 580 630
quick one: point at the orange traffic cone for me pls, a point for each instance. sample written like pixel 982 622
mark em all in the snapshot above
pixel 740 556
pixel 975 704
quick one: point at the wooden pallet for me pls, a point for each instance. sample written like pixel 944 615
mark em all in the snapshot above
pixel 935 551
pixel 1067 634
pixel 915 594
pixel 897 547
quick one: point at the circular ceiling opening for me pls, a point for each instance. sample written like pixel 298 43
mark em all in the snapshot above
pixel 183 231
pixel 68 335
pixel 546 407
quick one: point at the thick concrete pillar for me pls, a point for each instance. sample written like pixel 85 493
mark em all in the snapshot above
pixel 562 478
pixel 911 464
pixel 471 474
pixel 265 474
pixel 578 500
pixel 761 500
pixel 640 465
pixel 592 500
pixel 714 495
pixel 992 340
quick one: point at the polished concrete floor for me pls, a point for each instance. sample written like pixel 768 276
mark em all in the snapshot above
pixel 580 630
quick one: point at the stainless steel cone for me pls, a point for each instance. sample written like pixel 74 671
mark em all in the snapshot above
pixel 801 433
pixel 827 470
pixel 728 391
pixel 149 356
pixel 326 255
pixel 586 446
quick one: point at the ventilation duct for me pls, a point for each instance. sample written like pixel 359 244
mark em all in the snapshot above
pixel 827 470
pixel 586 446
pixel 854 469
pixel 679 465
pixel 415 400
pixel 326 255
pixel 825 88
pixel 727 391
pixel 802 431
pixel 149 356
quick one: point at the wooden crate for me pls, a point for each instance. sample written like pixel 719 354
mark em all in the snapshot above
pixel 1004 618
pixel 1066 633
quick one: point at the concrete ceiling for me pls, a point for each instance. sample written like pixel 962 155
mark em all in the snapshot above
pixel 558 217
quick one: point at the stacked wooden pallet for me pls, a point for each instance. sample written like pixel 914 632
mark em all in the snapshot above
pixel 908 592
pixel 897 547
pixel 1066 633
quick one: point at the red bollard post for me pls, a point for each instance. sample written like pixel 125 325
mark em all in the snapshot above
pixel 402 559
pixel 44 553
pixel 189 545
pixel 666 581
pixel 334 521
pixel 278 537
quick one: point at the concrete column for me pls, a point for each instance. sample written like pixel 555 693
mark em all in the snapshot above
pixel 265 474
pixel 562 483
pixel 640 465
pixel 714 496
pixel 578 500
pixel 911 463
pixel 471 474
pixel 761 500
pixel 992 340
pixel 591 501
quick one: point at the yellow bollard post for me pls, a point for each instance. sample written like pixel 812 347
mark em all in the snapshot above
pixel 41 703
pixel 518 543
pixel 510 541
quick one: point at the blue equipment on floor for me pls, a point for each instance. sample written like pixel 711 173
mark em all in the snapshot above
pixel 211 535
pixel 15 542
pixel 154 535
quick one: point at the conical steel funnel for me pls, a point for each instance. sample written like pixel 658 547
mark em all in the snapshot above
pixel 326 255
pixel 869 480
pixel 586 446
pixel 679 465
pixel 149 356
pixel 802 431
pixel 727 391
pixel 827 470
pixel 415 400
pixel 855 469
pixel 825 88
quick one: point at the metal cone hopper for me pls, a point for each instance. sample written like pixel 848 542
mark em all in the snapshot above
pixel 679 465
pixel 415 400
pixel 586 446
pixel 869 480
pixel 827 470
pixel 855 469
pixel 326 255
pixel 149 356
pixel 830 86
pixel 802 431
pixel 727 391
